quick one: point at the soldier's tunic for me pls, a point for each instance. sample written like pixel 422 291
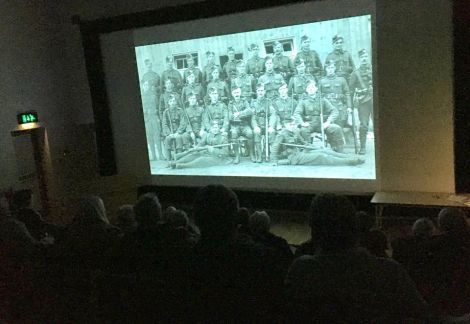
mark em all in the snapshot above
pixel 154 81
pixel 195 116
pixel 336 90
pixel 343 62
pixel 309 110
pixel 272 81
pixel 163 103
pixel 201 157
pixel 230 70
pixel 361 87
pixel 260 108
pixel 173 127
pixel 240 125
pixel 192 88
pixel 206 73
pixel 222 89
pixel 246 83
pixel 174 76
pixel 197 74
pixel 312 61
pixel 284 109
pixel 284 66
pixel 255 67
pixel 217 112
pixel 298 84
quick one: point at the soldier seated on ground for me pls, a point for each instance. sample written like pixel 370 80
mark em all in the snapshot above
pixel 290 149
pixel 211 151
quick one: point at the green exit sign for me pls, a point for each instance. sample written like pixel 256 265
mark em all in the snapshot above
pixel 27 117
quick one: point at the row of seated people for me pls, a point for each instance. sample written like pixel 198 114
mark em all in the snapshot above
pixel 223 265
pixel 260 125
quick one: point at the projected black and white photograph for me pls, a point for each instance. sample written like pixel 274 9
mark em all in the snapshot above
pixel 293 101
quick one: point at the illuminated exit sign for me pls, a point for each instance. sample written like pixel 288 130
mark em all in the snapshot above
pixel 27 117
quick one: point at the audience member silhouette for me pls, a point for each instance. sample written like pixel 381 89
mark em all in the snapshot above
pixel 229 276
pixel 125 219
pixel 341 283
pixel 23 211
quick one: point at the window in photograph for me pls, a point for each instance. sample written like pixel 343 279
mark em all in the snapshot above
pixel 182 63
pixel 287 44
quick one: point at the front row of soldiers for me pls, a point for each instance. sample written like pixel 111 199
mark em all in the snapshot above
pixel 280 130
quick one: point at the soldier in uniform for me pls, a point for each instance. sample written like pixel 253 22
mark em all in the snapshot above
pixel 240 122
pixel 216 111
pixel 213 150
pixel 298 83
pixel 230 67
pixel 282 64
pixel 207 71
pixel 308 115
pixel 169 90
pixel 336 90
pixel 263 121
pixel 192 69
pixel 192 87
pixel 310 57
pixel 255 64
pixel 343 59
pixel 243 81
pixel 218 84
pixel 152 120
pixel 152 77
pixel 173 127
pixel 270 79
pixel 284 106
pixel 291 149
pixel 172 74
pixel 194 114
pixel 361 87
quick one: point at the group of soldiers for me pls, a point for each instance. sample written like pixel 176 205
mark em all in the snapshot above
pixel 271 109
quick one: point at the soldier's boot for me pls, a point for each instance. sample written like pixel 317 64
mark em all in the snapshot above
pixel 356 161
pixel 251 150
pixel 362 140
pixel 348 135
pixel 259 152
pixel 168 155
pixel 283 162
pixel 339 148
pixel 236 148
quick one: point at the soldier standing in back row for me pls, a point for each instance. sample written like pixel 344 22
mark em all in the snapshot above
pixel 270 79
pixel 361 87
pixel 243 81
pixel 173 127
pixel 230 67
pixel 192 69
pixel 206 73
pixel 311 58
pixel 255 64
pixel 152 77
pixel 192 87
pixel 282 64
pixel 194 114
pixel 172 74
pixel 336 90
pixel 217 83
pixel 343 60
pixel 216 112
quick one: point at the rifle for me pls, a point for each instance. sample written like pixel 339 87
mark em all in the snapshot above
pixel 266 141
pixel 308 147
pixel 321 120
pixel 193 137
pixel 353 120
pixel 174 140
pixel 198 149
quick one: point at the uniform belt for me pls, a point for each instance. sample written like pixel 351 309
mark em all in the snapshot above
pixel 334 96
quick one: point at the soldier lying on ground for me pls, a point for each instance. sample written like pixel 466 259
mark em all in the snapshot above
pixel 211 151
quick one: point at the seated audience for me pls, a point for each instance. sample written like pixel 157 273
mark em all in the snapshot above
pixel 375 242
pixel 230 279
pixel 23 211
pixel 243 217
pixel 341 283
pixel 88 236
pixel 125 219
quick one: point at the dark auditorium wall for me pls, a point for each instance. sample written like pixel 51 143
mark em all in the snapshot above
pixel 43 68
